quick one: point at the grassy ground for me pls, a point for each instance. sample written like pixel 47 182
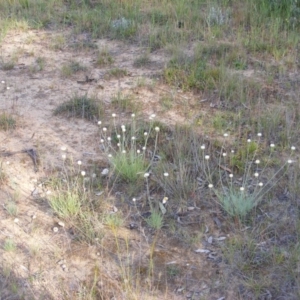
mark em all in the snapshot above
pixel 234 166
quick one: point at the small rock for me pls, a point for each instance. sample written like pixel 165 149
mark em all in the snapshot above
pixel 221 238
pixel 202 251
pixel 104 172
pixel 100 283
pixel 61 224
pixel 16 220
pixel 33 217
pixel 132 226
pixel 171 262
pixel 65 268
pixel 35 193
pixel 55 229
pixel 61 262
pixel 24 268
pixel 206 229
pixel 210 240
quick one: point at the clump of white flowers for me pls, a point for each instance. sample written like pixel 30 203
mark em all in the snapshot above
pixel 126 148
pixel 239 194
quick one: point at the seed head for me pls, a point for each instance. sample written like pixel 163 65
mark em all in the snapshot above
pixel 210 186
pixel 83 173
pixel 206 157
pixel 156 129
pixel 202 147
pixel 79 162
pixel 166 174
pixel 146 175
